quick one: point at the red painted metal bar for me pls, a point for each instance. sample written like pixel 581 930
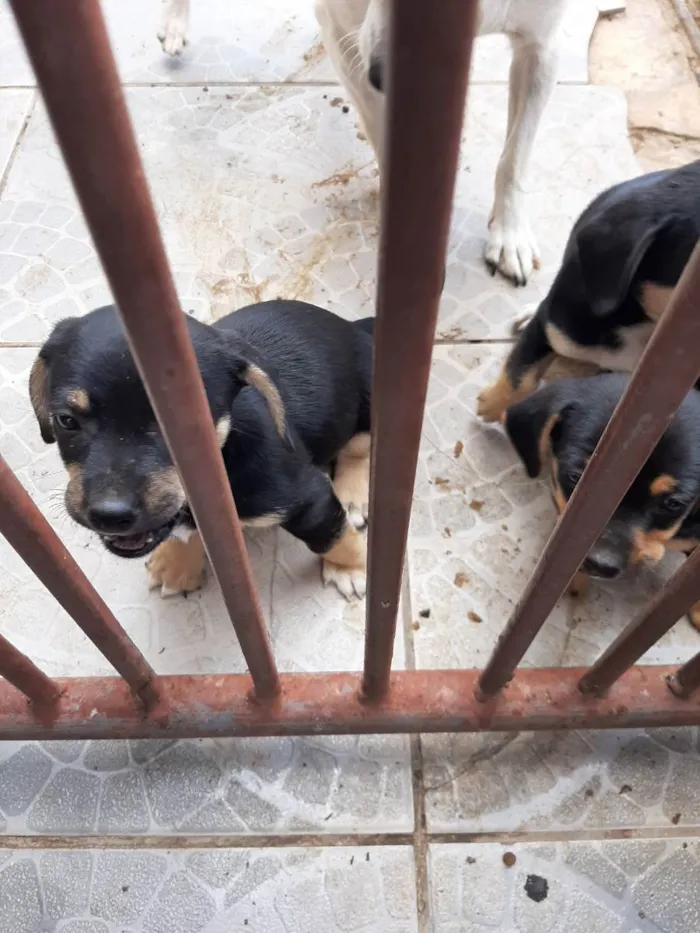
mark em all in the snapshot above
pixel 686 680
pixel 331 704
pixel 662 613
pixel 667 370
pixel 89 116
pixel 28 532
pixel 430 52
pixel 23 674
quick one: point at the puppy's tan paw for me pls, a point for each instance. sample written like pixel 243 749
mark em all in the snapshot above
pixel 492 403
pixel 694 616
pixel 351 582
pixel 345 565
pixel 351 480
pixel 177 566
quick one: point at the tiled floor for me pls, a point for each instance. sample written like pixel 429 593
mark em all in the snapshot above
pixel 265 186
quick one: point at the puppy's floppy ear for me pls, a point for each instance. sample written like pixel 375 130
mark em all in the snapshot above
pixel 609 254
pixel 532 424
pixel 40 379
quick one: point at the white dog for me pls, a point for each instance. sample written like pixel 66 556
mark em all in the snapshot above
pixel 354 35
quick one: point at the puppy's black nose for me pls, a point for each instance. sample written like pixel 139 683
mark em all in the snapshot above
pixel 375 74
pixel 113 516
pixel 601 565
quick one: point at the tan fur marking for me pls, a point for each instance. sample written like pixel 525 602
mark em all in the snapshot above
pixel 694 616
pixel 663 483
pixel 164 490
pixel 39 393
pixel 651 545
pixel 349 551
pixel 263 521
pixel 579 585
pixel 255 377
pixel 500 395
pixel 178 566
pixel 79 399
pixel 75 494
pixel 543 443
pixel 559 498
pixel 684 545
pixel 654 299
pixel 223 429
pixel 351 480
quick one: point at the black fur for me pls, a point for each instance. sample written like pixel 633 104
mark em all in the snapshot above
pixel 319 363
pixel 576 412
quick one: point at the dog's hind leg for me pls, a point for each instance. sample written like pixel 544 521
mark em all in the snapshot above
pixel 173 33
pixel 521 372
pixel 511 247
pixel 341 43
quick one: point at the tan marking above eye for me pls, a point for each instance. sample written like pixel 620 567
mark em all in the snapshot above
pixel 662 484
pixel 79 399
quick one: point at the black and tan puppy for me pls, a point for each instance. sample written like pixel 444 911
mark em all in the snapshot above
pixel 560 425
pixel 625 254
pixel 289 388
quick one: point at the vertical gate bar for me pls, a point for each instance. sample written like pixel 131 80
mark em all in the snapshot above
pixel 686 680
pixel 69 49
pixel 429 57
pixel 28 532
pixel 667 370
pixel 23 674
pixel 666 608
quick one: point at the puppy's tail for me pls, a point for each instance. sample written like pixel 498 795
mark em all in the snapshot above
pixel 366 325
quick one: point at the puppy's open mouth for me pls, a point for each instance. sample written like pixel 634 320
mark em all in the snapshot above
pixel 139 544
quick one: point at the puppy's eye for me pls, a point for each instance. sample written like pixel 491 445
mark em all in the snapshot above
pixel 67 422
pixel 573 476
pixel 673 506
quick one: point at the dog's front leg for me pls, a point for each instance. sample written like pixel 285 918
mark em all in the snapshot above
pixel 342 47
pixel 511 247
pixel 178 564
pixel 173 34
pixel 320 520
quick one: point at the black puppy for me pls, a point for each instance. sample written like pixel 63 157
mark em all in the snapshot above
pixel 562 422
pixel 289 389
pixel 625 254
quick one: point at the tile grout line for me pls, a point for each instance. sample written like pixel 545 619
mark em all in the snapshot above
pixel 419 836
pixel 275 84
pixel 18 140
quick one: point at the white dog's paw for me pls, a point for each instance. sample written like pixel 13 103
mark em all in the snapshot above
pixel 522 320
pixel 511 250
pixel 173 35
pixel 351 582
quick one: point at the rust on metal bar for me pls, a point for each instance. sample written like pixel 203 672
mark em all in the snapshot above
pixel 666 372
pixel 89 116
pixel 331 704
pixel 23 674
pixel 28 532
pixel 648 626
pixel 686 680
pixel 429 56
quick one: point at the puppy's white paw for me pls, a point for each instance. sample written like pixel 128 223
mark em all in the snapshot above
pixel 511 250
pixel 357 513
pixel 351 582
pixel 173 35
pixel 522 320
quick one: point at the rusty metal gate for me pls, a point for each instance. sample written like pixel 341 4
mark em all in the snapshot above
pixel 429 68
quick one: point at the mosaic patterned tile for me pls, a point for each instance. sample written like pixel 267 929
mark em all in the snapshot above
pixel 14 107
pixel 636 886
pixel 286 204
pixel 215 891
pixel 232 41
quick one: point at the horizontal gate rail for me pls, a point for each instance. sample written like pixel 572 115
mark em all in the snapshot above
pixel 22 673
pixel 428 73
pixel 86 106
pixel 26 529
pixel 666 372
pixel 331 704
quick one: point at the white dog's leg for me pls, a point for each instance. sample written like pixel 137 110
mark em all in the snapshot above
pixel 342 46
pixel 511 247
pixel 173 34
